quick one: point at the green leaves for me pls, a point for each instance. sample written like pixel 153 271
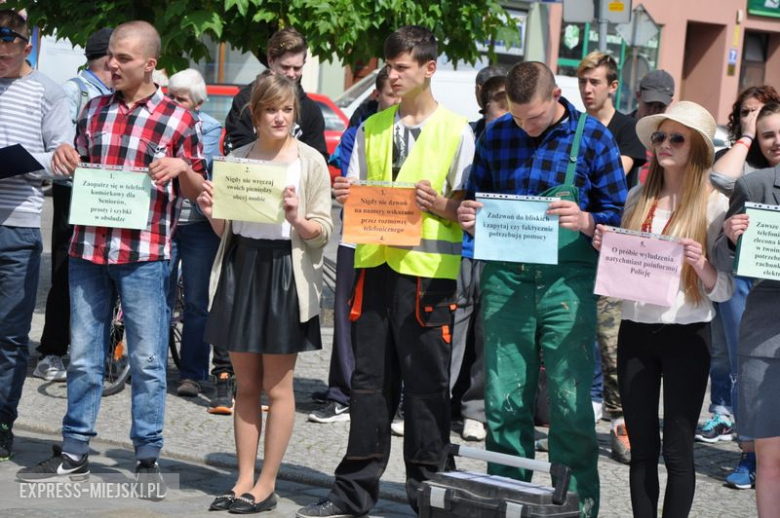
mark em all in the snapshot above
pixel 352 30
pixel 203 22
pixel 241 5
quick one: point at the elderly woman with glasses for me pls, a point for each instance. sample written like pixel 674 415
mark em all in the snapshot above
pixel 670 345
pixel 194 245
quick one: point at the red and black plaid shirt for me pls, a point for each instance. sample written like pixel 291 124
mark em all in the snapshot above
pixel 111 133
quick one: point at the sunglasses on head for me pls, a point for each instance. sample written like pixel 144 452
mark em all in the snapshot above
pixel 659 137
pixel 8 35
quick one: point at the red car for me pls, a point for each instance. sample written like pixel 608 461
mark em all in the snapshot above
pixel 221 98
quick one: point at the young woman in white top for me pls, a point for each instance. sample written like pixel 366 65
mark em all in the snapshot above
pixel 670 345
pixel 266 302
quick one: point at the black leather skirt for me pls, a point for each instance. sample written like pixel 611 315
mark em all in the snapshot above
pixel 255 308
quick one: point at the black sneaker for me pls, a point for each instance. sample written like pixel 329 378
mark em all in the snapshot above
pixel 323 508
pixel 333 412
pixel 58 467
pixel 222 402
pixel 6 442
pixel 149 481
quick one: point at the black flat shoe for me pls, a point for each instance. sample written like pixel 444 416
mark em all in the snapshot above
pixel 223 502
pixel 245 504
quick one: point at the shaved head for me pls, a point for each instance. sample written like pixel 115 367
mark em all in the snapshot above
pixel 144 33
pixel 528 80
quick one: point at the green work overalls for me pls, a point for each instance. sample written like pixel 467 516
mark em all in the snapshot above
pixel 530 309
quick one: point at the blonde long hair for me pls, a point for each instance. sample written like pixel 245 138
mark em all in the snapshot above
pixel 690 218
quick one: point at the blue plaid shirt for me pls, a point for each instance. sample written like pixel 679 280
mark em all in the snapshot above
pixel 508 161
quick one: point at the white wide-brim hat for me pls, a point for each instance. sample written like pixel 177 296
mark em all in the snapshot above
pixel 688 114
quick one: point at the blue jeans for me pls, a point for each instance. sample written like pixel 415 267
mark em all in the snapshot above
pixel 195 246
pixel 20 259
pixel 142 288
pixel 725 344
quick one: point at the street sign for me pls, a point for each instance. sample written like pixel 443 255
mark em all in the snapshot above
pixel 640 31
pixel 584 11
pixel 732 56
pixel 578 11
pixel 769 8
pixel 615 11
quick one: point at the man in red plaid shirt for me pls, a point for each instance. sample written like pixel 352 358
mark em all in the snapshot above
pixel 136 127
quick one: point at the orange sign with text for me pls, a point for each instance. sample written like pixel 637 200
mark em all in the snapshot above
pixel 382 215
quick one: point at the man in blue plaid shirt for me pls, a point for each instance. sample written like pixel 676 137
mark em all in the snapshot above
pixel 530 309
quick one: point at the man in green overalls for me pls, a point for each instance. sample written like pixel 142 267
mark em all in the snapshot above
pixel 544 146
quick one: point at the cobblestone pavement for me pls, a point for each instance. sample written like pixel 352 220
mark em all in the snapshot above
pixel 201 444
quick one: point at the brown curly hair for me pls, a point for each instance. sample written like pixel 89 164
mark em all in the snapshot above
pixel 764 94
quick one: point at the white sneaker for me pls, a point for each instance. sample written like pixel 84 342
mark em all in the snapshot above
pixel 473 430
pixel 597 411
pixel 397 426
pixel 50 368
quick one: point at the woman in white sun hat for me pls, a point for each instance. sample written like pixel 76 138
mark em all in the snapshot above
pixel 670 345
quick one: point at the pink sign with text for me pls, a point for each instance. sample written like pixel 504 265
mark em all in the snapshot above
pixel 639 266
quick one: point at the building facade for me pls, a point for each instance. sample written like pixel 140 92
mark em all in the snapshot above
pixel 714 50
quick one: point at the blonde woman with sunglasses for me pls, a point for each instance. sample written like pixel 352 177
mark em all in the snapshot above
pixel 670 345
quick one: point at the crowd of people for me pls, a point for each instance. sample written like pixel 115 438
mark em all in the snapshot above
pixel 423 334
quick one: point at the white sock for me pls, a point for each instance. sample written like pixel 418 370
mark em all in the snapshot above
pixel 617 421
pixel 74 458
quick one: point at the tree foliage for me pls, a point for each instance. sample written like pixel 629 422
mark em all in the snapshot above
pixel 352 30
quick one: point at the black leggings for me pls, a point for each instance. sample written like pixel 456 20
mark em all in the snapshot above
pixel 678 355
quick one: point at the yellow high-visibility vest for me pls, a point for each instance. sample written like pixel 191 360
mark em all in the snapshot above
pixel 438 254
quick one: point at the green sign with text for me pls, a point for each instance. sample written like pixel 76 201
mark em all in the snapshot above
pixel 769 8
pixel 110 198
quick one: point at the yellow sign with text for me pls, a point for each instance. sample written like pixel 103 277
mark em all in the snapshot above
pixel 249 190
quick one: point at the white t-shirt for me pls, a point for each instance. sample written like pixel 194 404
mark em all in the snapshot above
pixel 276 231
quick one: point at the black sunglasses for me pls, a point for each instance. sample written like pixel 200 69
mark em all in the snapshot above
pixel 675 139
pixel 8 35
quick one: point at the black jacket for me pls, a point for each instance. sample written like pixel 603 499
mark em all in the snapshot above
pixel 240 131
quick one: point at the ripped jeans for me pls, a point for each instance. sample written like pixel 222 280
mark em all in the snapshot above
pixel 531 311
pixel 142 288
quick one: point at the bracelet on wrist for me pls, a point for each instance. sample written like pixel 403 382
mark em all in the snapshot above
pixel 743 143
pixel 745 135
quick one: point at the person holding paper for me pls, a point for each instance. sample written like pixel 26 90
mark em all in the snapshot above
pixel 545 147
pixel 266 298
pixel 670 345
pixel 404 297
pixel 743 157
pixel 36 130
pixel 135 127
pixel 759 332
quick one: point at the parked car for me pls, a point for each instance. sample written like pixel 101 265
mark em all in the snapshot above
pixel 220 99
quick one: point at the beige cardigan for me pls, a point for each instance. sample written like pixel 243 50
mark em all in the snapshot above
pixel 307 255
